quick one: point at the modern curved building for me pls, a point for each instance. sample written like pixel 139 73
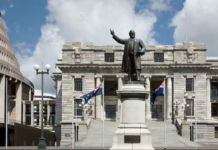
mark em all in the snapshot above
pixel 19 90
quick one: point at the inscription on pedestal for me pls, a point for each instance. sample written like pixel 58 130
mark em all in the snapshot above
pixel 132 139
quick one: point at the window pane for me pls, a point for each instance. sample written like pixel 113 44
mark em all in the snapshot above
pixel 78 84
pixel 158 57
pixel 109 57
pixel 78 108
pixel 190 108
pixel 213 91
pixel 189 85
pixel 216 132
pixel 214 110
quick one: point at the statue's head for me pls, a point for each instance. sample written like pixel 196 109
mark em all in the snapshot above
pixel 132 34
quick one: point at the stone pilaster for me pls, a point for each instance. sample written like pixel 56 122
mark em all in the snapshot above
pixel 32 113
pixel 120 84
pixel 201 96
pixel 208 98
pixel 98 100
pixel 169 98
pixel 178 96
pixel 24 112
pixel 148 98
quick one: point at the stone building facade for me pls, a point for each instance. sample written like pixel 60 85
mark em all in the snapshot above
pixel 191 82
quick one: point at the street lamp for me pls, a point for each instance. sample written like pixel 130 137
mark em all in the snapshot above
pixel 42 143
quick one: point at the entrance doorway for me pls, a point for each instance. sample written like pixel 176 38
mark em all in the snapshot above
pixel 110 111
pixel 157 111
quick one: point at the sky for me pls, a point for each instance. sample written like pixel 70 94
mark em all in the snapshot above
pixel 38 28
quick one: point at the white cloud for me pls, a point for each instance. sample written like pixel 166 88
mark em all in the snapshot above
pixel 160 5
pixel 3 11
pixel 23 48
pixel 64 25
pixel 202 24
pixel 11 5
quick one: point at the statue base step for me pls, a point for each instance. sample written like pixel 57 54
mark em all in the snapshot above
pixel 132 137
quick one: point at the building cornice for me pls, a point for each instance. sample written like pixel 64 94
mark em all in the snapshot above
pixel 105 65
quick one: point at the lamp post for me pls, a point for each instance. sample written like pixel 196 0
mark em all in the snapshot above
pixel 42 140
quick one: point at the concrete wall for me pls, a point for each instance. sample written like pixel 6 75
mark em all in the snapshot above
pixel 58 111
pixel 31 136
pixel 205 133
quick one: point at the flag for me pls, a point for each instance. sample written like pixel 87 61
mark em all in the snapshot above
pixel 96 92
pixel 158 92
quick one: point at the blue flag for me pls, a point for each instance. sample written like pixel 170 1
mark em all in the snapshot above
pixel 158 92
pixel 96 92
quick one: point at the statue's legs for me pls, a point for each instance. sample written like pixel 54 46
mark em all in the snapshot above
pixel 132 70
pixel 138 72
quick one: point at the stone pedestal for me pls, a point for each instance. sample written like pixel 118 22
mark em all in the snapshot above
pixel 132 133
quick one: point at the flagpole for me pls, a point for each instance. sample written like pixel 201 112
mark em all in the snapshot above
pixel 76 123
pixel 186 27
pixel 164 114
pixel 103 114
pixel 6 114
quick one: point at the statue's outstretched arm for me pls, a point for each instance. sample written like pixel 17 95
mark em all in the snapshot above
pixel 119 40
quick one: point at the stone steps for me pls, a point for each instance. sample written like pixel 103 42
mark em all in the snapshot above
pixel 94 136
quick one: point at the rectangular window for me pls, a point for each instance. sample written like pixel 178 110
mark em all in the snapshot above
pixel 109 57
pixel 158 57
pixel 189 84
pixel 214 109
pixel 45 109
pixel 78 84
pixel 78 108
pixel 52 108
pixel 189 108
pixel 28 109
pixel 36 108
pixel 45 120
pixel 36 120
pixel 51 120
pixel 13 89
pixel 216 132
pixel 214 90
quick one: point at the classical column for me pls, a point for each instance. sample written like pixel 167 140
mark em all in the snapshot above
pixel 99 108
pixel 120 84
pixel 148 98
pixel 169 98
pixel 30 96
pixel 32 113
pixel 24 112
pixel 208 98
pixel 2 99
pixel 18 102
pixel 48 113
pixel 40 111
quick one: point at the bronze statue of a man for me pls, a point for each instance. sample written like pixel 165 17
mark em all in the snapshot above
pixel 133 50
